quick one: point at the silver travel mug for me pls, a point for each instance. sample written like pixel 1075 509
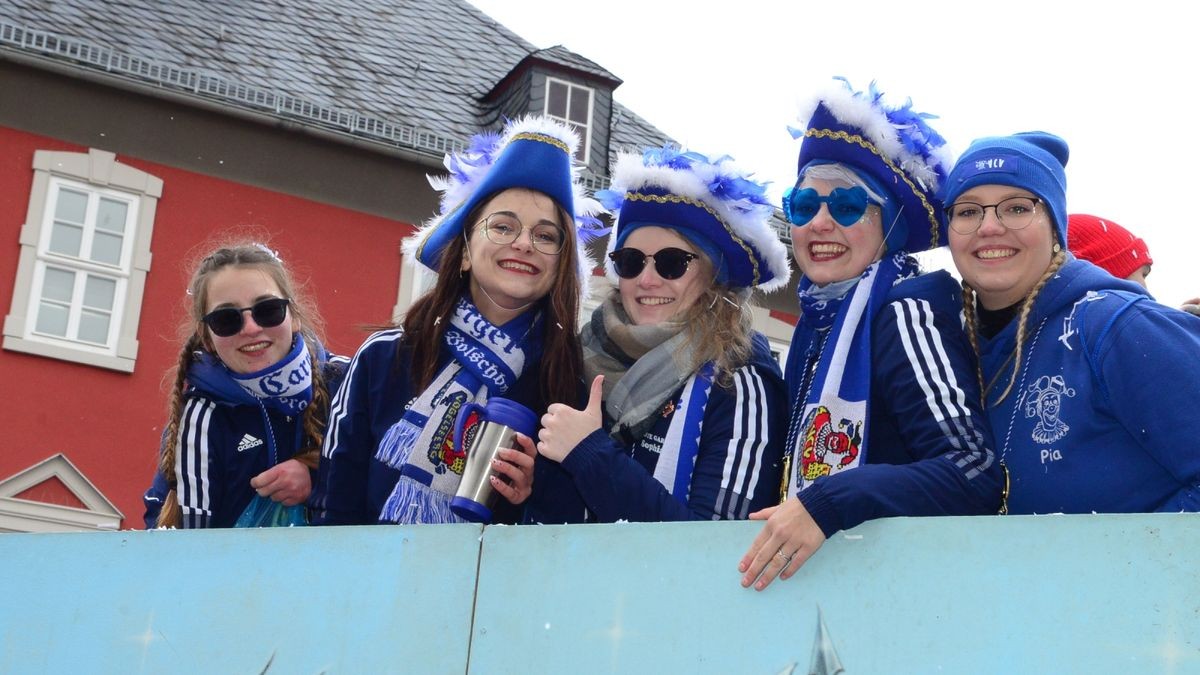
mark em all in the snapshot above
pixel 479 432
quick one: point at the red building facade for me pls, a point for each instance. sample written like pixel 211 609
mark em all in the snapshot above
pixel 107 422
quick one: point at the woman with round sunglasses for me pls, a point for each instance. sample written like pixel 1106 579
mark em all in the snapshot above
pixel 684 419
pixel 246 414
pixel 1087 381
pixel 885 416
pixel 498 322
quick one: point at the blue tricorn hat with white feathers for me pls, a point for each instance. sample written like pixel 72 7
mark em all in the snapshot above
pixel 710 202
pixel 892 149
pixel 533 153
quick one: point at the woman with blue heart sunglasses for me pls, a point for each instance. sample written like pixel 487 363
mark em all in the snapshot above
pixel 885 417
pixel 247 412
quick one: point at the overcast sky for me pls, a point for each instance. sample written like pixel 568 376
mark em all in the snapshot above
pixel 1114 79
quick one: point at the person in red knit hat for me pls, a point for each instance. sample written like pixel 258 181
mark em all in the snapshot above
pixel 1114 249
pixel 1109 246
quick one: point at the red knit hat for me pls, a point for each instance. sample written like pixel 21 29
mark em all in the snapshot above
pixel 1106 244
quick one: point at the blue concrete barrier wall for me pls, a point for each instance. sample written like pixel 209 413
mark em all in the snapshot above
pixel 301 600
pixel 1062 594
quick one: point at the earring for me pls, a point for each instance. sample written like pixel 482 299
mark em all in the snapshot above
pixel 1057 248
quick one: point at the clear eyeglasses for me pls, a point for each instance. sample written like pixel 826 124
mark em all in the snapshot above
pixel 503 228
pixel 1014 213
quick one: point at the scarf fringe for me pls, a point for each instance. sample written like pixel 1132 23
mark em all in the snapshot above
pixel 413 503
pixel 397 445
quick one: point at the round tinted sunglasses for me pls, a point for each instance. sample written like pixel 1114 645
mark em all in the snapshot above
pixel 669 263
pixel 846 205
pixel 228 321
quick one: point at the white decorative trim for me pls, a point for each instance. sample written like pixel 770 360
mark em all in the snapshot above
pixel 585 138
pixel 23 515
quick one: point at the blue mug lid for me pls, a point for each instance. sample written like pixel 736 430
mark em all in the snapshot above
pixel 511 414
pixel 470 510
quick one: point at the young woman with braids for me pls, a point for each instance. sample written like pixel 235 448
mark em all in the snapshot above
pixel 885 415
pixel 247 408
pixel 684 420
pixel 1088 383
pixel 499 322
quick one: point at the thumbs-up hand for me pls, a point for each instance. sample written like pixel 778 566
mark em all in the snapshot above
pixel 563 427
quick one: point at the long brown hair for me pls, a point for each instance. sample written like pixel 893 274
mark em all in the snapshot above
pixel 304 313
pixel 561 363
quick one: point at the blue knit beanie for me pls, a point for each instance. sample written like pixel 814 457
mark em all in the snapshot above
pixel 1030 160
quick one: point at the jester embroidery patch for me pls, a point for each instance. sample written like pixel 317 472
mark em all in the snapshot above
pixel 1043 399
pixel 828 447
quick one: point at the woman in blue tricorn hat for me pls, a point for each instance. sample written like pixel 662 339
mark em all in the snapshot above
pixel 885 416
pixel 510 257
pixel 685 414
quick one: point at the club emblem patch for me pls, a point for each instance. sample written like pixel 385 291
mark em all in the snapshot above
pixel 824 442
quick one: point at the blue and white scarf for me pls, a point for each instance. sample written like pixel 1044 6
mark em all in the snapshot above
pixel 828 430
pixel 285 387
pixel 486 361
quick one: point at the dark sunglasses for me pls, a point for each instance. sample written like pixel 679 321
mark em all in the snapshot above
pixel 846 205
pixel 669 263
pixel 227 321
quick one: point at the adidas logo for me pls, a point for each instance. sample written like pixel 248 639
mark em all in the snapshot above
pixel 248 442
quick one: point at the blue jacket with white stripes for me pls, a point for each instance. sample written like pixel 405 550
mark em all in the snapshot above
pixel 353 485
pixel 222 445
pixel 931 450
pixel 737 469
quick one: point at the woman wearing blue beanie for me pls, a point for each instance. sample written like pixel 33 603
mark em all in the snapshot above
pixel 885 416
pixel 1073 361
pixel 684 420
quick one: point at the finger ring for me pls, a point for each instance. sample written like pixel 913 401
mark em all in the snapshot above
pixel 786 558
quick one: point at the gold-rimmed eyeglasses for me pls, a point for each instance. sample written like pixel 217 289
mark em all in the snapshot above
pixel 504 228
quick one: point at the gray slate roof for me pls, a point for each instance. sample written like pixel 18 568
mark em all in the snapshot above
pixel 563 56
pixel 389 69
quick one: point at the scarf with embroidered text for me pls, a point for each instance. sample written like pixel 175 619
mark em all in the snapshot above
pixel 485 361
pixel 285 387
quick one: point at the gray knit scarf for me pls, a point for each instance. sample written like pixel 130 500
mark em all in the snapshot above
pixel 643 366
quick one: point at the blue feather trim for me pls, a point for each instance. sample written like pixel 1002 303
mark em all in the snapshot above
pixel 729 185
pixel 915 135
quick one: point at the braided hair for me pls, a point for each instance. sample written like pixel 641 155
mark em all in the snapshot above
pixel 969 312
pixel 257 256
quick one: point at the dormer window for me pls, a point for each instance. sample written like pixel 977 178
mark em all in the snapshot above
pixel 572 104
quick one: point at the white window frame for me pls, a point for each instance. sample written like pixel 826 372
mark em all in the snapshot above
pixel 415 280
pixel 584 129
pixel 98 174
